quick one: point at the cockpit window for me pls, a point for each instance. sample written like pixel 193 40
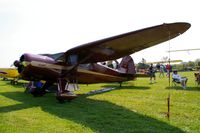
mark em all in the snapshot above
pixel 57 56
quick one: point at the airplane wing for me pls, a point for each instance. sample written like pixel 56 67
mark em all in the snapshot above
pixel 125 44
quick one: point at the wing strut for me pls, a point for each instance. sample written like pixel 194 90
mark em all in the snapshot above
pixel 74 68
pixel 67 77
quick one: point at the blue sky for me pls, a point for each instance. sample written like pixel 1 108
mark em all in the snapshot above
pixel 51 26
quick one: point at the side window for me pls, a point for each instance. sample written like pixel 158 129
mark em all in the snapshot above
pixel 73 59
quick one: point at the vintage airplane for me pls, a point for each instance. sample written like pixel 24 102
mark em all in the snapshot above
pixel 79 64
pixel 180 50
pixel 164 62
pixel 10 73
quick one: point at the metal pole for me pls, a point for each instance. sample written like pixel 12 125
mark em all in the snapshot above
pixel 168 99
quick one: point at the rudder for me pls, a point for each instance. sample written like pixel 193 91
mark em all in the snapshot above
pixel 127 65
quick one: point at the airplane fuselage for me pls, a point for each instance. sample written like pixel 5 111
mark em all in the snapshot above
pixel 37 67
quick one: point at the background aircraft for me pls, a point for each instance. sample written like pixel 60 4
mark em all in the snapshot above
pixel 10 73
pixel 165 62
pixel 79 64
pixel 180 50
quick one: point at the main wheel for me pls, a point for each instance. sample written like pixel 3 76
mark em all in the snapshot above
pixel 37 92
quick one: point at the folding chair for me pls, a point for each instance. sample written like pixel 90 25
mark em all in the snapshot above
pixel 175 81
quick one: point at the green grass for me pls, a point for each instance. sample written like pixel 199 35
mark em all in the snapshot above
pixel 135 107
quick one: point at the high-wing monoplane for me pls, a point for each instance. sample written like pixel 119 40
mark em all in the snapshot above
pixel 79 64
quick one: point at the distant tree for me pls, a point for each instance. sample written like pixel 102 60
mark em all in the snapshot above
pixel 197 63
pixel 180 67
pixel 143 61
pixel 142 64
pixel 190 64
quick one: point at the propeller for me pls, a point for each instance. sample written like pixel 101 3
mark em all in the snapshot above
pixel 20 64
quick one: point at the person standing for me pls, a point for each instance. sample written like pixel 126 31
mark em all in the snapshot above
pixel 152 73
pixel 161 70
pixel 168 70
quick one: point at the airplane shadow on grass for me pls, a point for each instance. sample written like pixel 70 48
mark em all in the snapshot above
pixel 181 88
pixel 100 116
pixel 126 87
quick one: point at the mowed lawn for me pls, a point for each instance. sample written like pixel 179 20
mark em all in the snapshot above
pixel 135 107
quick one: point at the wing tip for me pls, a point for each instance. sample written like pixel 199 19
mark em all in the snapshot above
pixel 183 26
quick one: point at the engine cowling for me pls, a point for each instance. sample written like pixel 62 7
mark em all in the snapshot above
pixel 35 67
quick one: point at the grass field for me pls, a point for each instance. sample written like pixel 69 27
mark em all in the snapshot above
pixel 135 107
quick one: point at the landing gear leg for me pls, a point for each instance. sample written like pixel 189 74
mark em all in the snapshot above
pixel 63 91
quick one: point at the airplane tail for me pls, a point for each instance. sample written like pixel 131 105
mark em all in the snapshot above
pixel 127 65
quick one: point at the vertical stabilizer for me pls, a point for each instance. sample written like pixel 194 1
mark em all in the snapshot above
pixel 127 65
